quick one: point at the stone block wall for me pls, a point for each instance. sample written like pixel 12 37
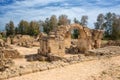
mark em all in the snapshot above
pixel 51 45
pixel 57 47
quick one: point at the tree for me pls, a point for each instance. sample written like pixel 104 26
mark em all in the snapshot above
pixel 34 28
pixel 46 25
pixel 84 20
pixel 75 34
pixel 76 21
pixel 116 29
pixel 10 29
pixel 23 27
pixel 53 22
pixel 100 22
pixel 63 20
pixel 108 24
pixel 16 30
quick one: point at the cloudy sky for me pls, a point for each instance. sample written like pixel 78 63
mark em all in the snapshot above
pixel 17 10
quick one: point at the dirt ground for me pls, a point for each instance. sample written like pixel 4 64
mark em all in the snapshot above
pixel 82 71
pixel 24 51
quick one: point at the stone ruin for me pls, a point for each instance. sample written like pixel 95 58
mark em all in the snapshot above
pixel 23 40
pixel 59 41
pixel 7 53
pixel 111 43
pixel 5 62
pixel 52 43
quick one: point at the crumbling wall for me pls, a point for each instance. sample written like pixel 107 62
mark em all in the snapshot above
pixel 51 44
pixel 58 42
pixel 84 39
pixel 96 38
pixel 8 51
pixel 22 40
pixel 4 62
pixel 111 43
pixel 43 40
pixel 56 47
pixel 11 53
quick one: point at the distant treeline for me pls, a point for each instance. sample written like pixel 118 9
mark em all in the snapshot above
pixel 110 23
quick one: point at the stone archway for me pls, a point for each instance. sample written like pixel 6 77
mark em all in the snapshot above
pixel 79 28
pixel 84 41
pixel 75 34
pixel 68 39
pixel 59 41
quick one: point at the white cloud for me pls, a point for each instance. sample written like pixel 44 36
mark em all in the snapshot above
pixel 26 10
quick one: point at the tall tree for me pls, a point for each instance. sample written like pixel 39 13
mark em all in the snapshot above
pixel 34 28
pixel 23 27
pixel 76 21
pixel 53 22
pixel 84 20
pixel 16 30
pixel 75 34
pixel 10 29
pixel 63 20
pixel 46 25
pixel 108 24
pixel 100 22
pixel 116 29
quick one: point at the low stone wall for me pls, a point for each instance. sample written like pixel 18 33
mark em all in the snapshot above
pixel 6 56
pixel 11 53
pixel 106 51
pixel 111 43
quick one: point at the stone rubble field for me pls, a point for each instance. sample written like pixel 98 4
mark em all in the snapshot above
pixel 86 70
pixel 70 65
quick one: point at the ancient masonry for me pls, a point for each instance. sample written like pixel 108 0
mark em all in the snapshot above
pixel 59 41
pixel 7 53
pixel 23 40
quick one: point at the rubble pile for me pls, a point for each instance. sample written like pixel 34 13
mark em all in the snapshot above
pixel 112 43
pixel 4 62
pixel 3 44
pixel 106 51
pixel 23 40
pixel 10 53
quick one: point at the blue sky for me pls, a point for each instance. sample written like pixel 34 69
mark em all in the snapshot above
pixel 17 10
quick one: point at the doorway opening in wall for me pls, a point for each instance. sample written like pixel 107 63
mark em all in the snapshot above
pixel 75 33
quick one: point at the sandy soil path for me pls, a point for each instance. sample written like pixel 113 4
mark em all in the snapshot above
pixel 80 71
